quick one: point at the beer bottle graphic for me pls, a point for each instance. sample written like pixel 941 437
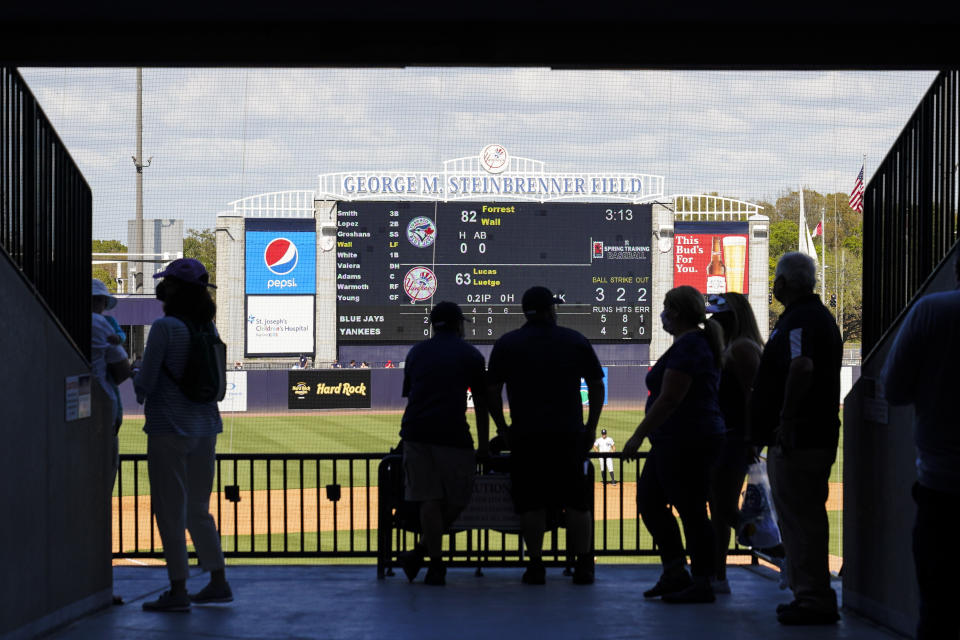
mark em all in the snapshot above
pixel 716 271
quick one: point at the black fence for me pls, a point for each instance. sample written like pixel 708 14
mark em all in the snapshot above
pixel 45 209
pixel 339 506
pixel 910 209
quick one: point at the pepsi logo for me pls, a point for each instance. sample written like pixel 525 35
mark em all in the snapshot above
pixel 281 256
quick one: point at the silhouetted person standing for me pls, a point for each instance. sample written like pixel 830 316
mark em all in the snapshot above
pixel 686 431
pixel 541 365
pixel 439 463
pixel 743 346
pixel 923 369
pixel 797 396
pixel 181 436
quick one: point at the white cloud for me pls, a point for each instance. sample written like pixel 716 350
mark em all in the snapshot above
pixel 220 134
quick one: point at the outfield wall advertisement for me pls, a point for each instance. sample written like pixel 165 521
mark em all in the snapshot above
pixel 280 264
pixel 712 257
pixel 334 389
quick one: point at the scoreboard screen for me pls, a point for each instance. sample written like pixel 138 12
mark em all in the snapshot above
pixel 395 260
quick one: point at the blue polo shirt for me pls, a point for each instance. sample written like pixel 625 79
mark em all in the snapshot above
pixel 436 377
pixel 699 413
pixel 541 365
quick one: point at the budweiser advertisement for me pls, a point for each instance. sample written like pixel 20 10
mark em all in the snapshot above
pixel 711 256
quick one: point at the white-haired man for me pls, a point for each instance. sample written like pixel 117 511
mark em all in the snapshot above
pixel 795 409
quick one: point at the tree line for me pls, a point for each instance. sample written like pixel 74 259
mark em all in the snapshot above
pixel 843 244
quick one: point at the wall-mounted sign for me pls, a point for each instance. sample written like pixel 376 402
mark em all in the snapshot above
pixel 280 325
pixel 335 389
pixel 281 262
pixel 77 402
pixel 712 257
pixel 492 174
pixel 236 396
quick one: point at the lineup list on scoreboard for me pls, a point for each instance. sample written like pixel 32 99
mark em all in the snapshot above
pixel 395 260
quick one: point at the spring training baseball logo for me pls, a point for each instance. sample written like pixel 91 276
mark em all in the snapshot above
pixel 281 257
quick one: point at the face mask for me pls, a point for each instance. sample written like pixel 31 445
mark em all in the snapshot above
pixel 667 324
pixel 162 291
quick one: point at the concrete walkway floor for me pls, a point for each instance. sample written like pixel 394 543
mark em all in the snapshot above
pixel 349 602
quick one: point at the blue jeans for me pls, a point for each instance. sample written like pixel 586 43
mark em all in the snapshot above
pixel 678 475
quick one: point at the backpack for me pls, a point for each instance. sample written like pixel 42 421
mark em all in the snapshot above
pixel 204 376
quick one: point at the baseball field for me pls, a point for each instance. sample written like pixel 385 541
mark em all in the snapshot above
pixel 312 521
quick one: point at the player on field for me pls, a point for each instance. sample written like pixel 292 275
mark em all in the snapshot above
pixel 605 444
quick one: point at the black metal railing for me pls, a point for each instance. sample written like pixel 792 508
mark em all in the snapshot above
pixel 910 209
pixel 45 209
pixel 338 506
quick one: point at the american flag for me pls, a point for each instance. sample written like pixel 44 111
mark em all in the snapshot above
pixel 856 196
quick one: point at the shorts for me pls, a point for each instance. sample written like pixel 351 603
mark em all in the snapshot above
pixel 549 472
pixel 437 472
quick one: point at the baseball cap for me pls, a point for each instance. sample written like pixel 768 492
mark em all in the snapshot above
pixel 536 299
pixel 445 314
pixel 717 304
pixel 100 289
pixel 188 270
pixel 603 432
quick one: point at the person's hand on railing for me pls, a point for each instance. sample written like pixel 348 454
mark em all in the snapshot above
pixel 632 447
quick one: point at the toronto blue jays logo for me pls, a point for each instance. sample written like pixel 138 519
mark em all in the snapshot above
pixel 421 232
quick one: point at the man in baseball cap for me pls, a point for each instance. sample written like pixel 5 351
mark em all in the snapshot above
pixel 438 457
pixel 447 315
pixel 541 365
pixel 539 300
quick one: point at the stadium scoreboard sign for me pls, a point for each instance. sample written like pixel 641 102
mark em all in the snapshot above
pixel 281 286
pixel 395 260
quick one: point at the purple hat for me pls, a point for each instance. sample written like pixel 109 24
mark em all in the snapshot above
pixel 187 270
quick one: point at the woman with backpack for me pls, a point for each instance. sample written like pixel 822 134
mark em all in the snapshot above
pixel 179 383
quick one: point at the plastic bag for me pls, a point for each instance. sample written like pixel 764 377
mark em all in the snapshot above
pixel 757 526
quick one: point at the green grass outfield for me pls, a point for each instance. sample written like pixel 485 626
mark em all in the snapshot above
pixel 348 432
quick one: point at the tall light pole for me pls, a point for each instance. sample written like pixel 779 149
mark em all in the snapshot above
pixel 138 163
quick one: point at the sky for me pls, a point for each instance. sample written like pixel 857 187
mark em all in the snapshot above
pixel 217 135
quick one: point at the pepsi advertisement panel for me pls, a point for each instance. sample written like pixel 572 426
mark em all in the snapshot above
pixel 395 260
pixel 281 261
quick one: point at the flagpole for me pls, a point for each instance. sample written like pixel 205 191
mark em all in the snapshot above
pixel 823 255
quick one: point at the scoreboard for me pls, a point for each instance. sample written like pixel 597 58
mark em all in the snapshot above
pixel 395 260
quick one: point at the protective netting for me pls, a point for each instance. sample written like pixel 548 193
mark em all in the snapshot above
pixel 214 136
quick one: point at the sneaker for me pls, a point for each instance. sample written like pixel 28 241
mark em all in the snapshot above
pixel 800 615
pixel 436 575
pixel 583 572
pixel 699 591
pixel 213 593
pixel 669 583
pixel 535 574
pixel 169 602
pixel 720 586
pixel 614 483
pixel 412 562
pixel 783 606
